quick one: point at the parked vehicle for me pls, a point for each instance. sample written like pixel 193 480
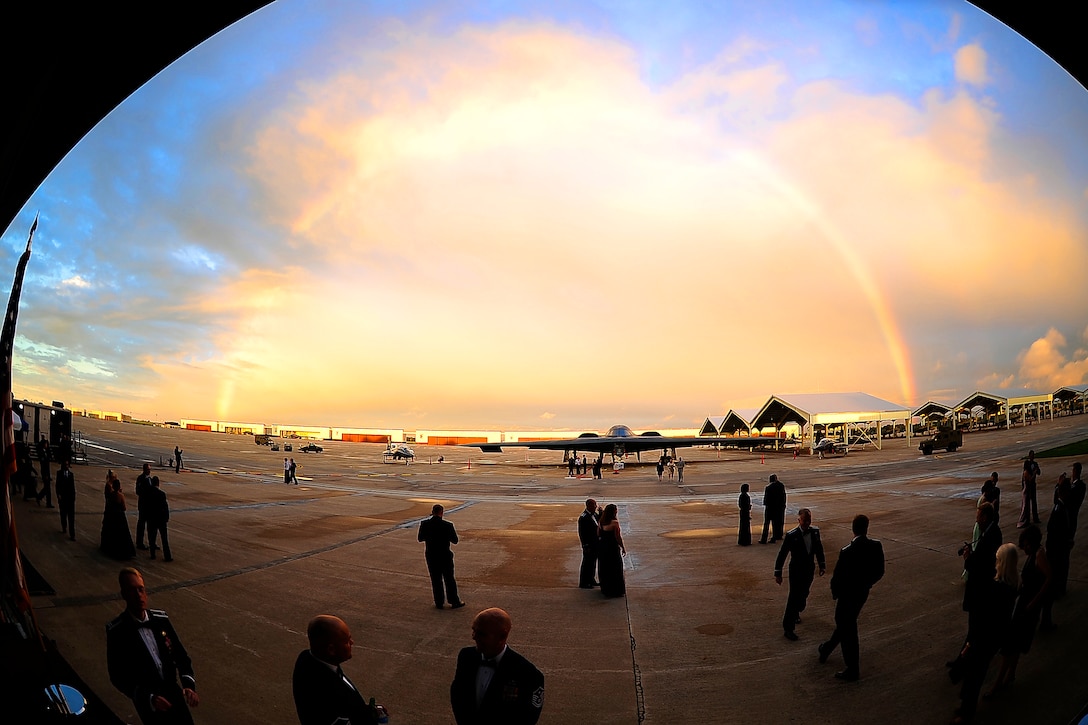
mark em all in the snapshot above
pixel 311 448
pixel 949 439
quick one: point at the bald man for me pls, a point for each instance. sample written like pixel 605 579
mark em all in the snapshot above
pixel 493 684
pixel 323 693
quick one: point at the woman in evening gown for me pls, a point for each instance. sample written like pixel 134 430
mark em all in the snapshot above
pixel 610 554
pixel 744 533
pixel 116 540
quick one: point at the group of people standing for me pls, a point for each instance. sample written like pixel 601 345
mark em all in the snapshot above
pixel 153 517
pixel 1005 603
pixel 603 549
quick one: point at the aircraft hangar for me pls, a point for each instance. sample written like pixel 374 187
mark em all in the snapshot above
pixel 860 415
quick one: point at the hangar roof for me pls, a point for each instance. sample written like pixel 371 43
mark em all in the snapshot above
pixel 931 407
pixel 993 402
pixel 1069 392
pixel 822 408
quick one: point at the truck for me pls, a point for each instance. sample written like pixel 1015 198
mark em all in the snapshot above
pixel 948 438
pixel 262 440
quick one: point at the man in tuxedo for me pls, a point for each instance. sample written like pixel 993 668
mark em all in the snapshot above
pixel 493 684
pixel 803 546
pixel 143 482
pixel 774 509
pixel 438 534
pixel 587 534
pixel 146 659
pixel 158 516
pixel 66 499
pixel 323 693
pixel 860 566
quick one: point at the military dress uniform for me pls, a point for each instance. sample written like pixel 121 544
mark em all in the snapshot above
pixel 146 659
pixel 510 691
pixel 802 547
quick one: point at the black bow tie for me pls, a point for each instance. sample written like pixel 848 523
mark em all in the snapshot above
pixel 489 663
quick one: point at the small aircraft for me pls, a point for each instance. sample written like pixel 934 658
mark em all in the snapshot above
pixel 621 440
pixel 395 452
pixel 830 446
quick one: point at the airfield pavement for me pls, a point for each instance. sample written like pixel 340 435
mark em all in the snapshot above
pixel 698 638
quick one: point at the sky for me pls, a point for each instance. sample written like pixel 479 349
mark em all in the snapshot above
pixel 565 215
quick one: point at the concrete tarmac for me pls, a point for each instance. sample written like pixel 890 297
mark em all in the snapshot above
pixel 698 639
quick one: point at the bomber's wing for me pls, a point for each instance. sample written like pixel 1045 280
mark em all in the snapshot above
pixel 628 444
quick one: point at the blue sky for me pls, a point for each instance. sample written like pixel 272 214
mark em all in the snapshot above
pixel 565 215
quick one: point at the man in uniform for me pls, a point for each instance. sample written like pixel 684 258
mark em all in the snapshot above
pixel 145 658
pixel 803 546
pixel 587 534
pixel 438 534
pixel 493 684
pixel 323 693
pixel 860 566
pixel 774 510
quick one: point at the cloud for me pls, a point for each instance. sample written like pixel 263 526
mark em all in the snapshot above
pixel 970 65
pixel 1044 364
pixel 480 215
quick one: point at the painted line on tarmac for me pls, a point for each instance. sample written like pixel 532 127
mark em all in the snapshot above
pixel 212 578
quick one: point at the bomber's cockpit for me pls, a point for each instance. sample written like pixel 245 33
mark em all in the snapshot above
pixel 620 431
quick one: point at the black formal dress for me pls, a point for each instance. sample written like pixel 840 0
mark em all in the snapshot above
pixel 587 535
pixel 610 565
pixel 324 695
pixel 1025 619
pixel 805 551
pixel 860 566
pixel 438 534
pixel 116 539
pixel 993 615
pixel 66 500
pixel 744 532
pixel 134 672
pixel 515 695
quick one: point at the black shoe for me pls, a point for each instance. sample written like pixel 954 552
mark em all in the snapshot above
pixel 152 556
pixel 49 505
pixel 847 676
pixel 585 586
pixel 791 636
pixel 439 606
pixel 141 547
pixel 457 605
pixel 72 538
pixel 168 558
pixel 824 651
pixel 762 541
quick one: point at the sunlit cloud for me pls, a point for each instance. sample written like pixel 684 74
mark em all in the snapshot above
pixel 1045 365
pixel 465 223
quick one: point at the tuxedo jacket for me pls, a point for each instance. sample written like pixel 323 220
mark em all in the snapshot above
pixel 587 528
pixel 143 483
pixel 860 566
pixel 438 534
pixel 155 506
pixel 66 487
pixel 793 544
pixel 774 496
pixel 132 669
pixel 514 697
pixel 323 697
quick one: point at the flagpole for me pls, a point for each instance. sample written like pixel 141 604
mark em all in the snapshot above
pixel 12 577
